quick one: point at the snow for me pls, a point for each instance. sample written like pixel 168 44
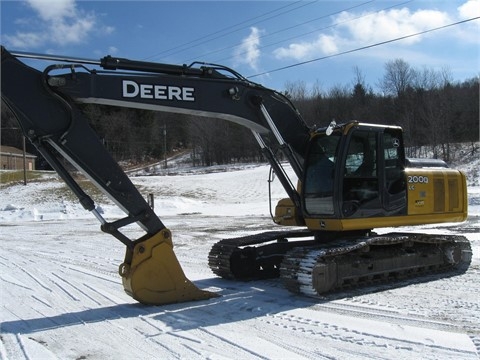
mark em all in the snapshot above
pixel 61 296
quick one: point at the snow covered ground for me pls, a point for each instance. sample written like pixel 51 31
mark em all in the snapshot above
pixel 61 296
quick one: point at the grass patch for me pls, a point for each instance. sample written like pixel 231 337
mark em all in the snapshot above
pixel 64 193
pixel 60 191
pixel 12 177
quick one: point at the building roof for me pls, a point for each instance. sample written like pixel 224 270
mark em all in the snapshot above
pixel 13 151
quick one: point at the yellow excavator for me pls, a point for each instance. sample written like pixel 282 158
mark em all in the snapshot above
pixel 352 178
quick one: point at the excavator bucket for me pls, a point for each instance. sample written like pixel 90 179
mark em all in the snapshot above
pixel 152 275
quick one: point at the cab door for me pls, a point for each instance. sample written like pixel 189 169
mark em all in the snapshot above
pixel 394 191
pixel 373 182
pixel 360 192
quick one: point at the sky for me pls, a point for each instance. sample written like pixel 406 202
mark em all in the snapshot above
pixel 320 44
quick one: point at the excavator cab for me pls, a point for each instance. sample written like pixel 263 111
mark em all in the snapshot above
pixel 355 172
pixel 359 171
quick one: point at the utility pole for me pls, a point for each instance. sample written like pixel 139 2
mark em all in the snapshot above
pixel 165 143
pixel 24 161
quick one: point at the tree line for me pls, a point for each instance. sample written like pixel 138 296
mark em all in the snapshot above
pixel 433 110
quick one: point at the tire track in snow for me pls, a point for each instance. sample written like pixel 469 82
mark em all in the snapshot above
pixel 3 350
pixel 80 291
pixel 443 311
pixel 68 293
pixel 73 266
pixel 26 272
pixel 195 342
pixel 96 273
pixel 100 320
pixel 45 303
pixel 157 333
pixel 77 288
pixel 21 346
pixel 36 268
pixel 11 345
pixel 63 281
pixel 153 331
pixel 476 342
pixel 389 316
pixel 108 297
pixel 345 335
pixel 83 264
pixel 18 346
pixel 271 336
pixel 199 342
pixel 225 344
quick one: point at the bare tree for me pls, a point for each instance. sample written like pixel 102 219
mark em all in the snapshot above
pixel 339 105
pixel 358 78
pixel 398 77
pixel 296 90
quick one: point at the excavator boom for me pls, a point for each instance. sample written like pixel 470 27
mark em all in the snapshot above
pixel 44 104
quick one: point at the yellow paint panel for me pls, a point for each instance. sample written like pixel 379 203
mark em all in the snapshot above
pixel 435 191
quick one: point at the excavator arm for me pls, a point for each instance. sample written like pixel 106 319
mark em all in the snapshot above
pixel 44 104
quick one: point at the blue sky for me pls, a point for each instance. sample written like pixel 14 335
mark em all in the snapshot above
pixel 257 37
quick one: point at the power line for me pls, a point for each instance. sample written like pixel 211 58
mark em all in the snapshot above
pixel 363 47
pixel 207 38
pixel 281 30
pixel 319 29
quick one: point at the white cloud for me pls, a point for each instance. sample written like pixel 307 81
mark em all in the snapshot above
pixel 23 40
pixel 386 25
pixel 57 22
pixel 107 29
pixel 355 30
pixel 49 10
pixel 66 31
pixel 323 45
pixel 468 33
pixel 248 51
pixel 469 10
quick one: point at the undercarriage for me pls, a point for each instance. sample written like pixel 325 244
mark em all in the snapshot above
pixel 310 267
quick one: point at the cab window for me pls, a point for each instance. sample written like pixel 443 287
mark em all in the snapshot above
pixel 319 175
pixel 360 182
